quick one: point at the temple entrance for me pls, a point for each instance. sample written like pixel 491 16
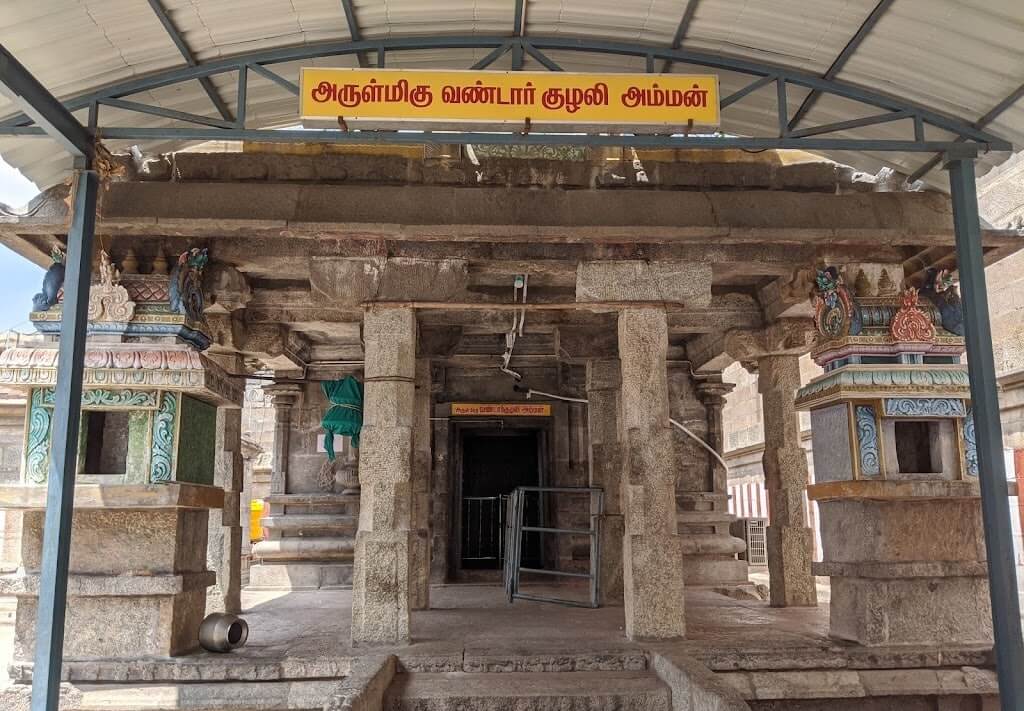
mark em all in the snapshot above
pixel 494 462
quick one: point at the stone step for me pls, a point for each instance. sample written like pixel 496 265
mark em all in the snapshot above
pixel 528 691
pixel 311 522
pixel 223 696
pixel 319 499
pixel 305 548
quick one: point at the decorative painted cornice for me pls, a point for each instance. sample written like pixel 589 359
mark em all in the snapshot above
pixel 872 382
pixel 127 366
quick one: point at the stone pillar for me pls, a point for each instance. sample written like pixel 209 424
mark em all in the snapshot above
pixel 284 398
pixel 652 552
pixel 419 582
pixel 790 541
pixel 380 589
pixel 224 549
pixel 604 381
pixel 701 490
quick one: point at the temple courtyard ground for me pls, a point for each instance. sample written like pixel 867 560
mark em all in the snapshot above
pixel 473 644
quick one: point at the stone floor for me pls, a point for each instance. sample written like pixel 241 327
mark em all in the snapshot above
pixel 470 620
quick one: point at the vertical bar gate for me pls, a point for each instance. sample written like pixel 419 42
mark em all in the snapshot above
pixel 514 530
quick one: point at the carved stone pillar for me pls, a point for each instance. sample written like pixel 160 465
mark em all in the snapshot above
pixel 790 541
pixel 604 382
pixel 381 583
pixel 284 398
pixel 419 582
pixel 224 548
pixel 701 488
pixel 652 554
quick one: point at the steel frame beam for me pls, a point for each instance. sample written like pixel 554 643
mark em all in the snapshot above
pixel 502 139
pixel 760 70
pixel 52 117
pixel 995 506
pixel 190 59
pixel 353 30
pixel 518 27
pixel 60 492
pixel 990 116
pixel 684 25
pixel 837 65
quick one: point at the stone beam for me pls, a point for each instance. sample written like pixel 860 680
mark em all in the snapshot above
pixel 787 336
pixel 346 282
pixel 893 216
pixel 668 282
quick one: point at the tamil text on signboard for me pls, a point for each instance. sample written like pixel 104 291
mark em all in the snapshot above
pixel 509 97
pixel 499 409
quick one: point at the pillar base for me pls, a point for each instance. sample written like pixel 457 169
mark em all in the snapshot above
pixel 611 528
pixel 380 588
pixel 709 548
pixel 918 576
pixel 790 581
pixel 653 581
pixel 882 605
pixel 138 577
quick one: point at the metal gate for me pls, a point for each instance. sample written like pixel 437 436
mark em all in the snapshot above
pixel 754 535
pixel 483 528
pixel 514 530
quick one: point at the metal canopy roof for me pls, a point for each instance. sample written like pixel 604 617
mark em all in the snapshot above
pixel 961 61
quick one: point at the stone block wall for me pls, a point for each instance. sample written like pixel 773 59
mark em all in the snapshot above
pixel 12 432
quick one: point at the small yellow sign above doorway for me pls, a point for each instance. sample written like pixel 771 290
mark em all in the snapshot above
pixel 499 409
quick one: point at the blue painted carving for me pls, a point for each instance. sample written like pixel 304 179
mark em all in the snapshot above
pixel 970 445
pixel 940 289
pixel 924 407
pixel 162 466
pixel 837 313
pixel 53 282
pixel 186 287
pixel 37 449
pixel 190 335
pixel 867 441
pixel 110 398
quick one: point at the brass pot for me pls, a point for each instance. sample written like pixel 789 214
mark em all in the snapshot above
pixel 221 632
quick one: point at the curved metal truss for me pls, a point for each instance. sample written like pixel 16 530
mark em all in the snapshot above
pixel 966 137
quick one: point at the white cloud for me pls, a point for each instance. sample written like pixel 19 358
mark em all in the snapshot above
pixel 15 189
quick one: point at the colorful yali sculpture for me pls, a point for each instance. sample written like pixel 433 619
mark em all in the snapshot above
pixel 836 314
pixel 941 289
pixel 186 287
pixel 53 283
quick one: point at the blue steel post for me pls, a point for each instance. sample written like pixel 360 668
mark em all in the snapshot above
pixel 995 505
pixel 53 585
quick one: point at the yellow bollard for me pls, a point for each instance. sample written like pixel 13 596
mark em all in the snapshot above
pixel 255 514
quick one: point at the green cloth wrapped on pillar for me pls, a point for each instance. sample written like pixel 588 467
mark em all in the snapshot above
pixel 345 415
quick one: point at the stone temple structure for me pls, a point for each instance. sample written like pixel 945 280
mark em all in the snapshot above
pixel 159 444
pixel 547 320
pixel 895 451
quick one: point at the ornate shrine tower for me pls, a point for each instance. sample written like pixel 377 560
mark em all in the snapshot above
pixel 159 428
pixel 895 461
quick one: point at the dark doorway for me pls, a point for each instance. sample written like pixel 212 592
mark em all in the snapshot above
pixel 493 464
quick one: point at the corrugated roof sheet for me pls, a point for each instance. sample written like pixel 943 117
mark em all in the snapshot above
pixel 959 58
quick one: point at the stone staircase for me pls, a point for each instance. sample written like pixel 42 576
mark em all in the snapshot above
pixel 528 691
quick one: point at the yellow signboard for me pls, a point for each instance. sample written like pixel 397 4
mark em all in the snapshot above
pixel 497 409
pixel 509 97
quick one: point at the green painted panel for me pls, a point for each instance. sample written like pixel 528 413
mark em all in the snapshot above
pixel 37 449
pixel 139 447
pixel 197 442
